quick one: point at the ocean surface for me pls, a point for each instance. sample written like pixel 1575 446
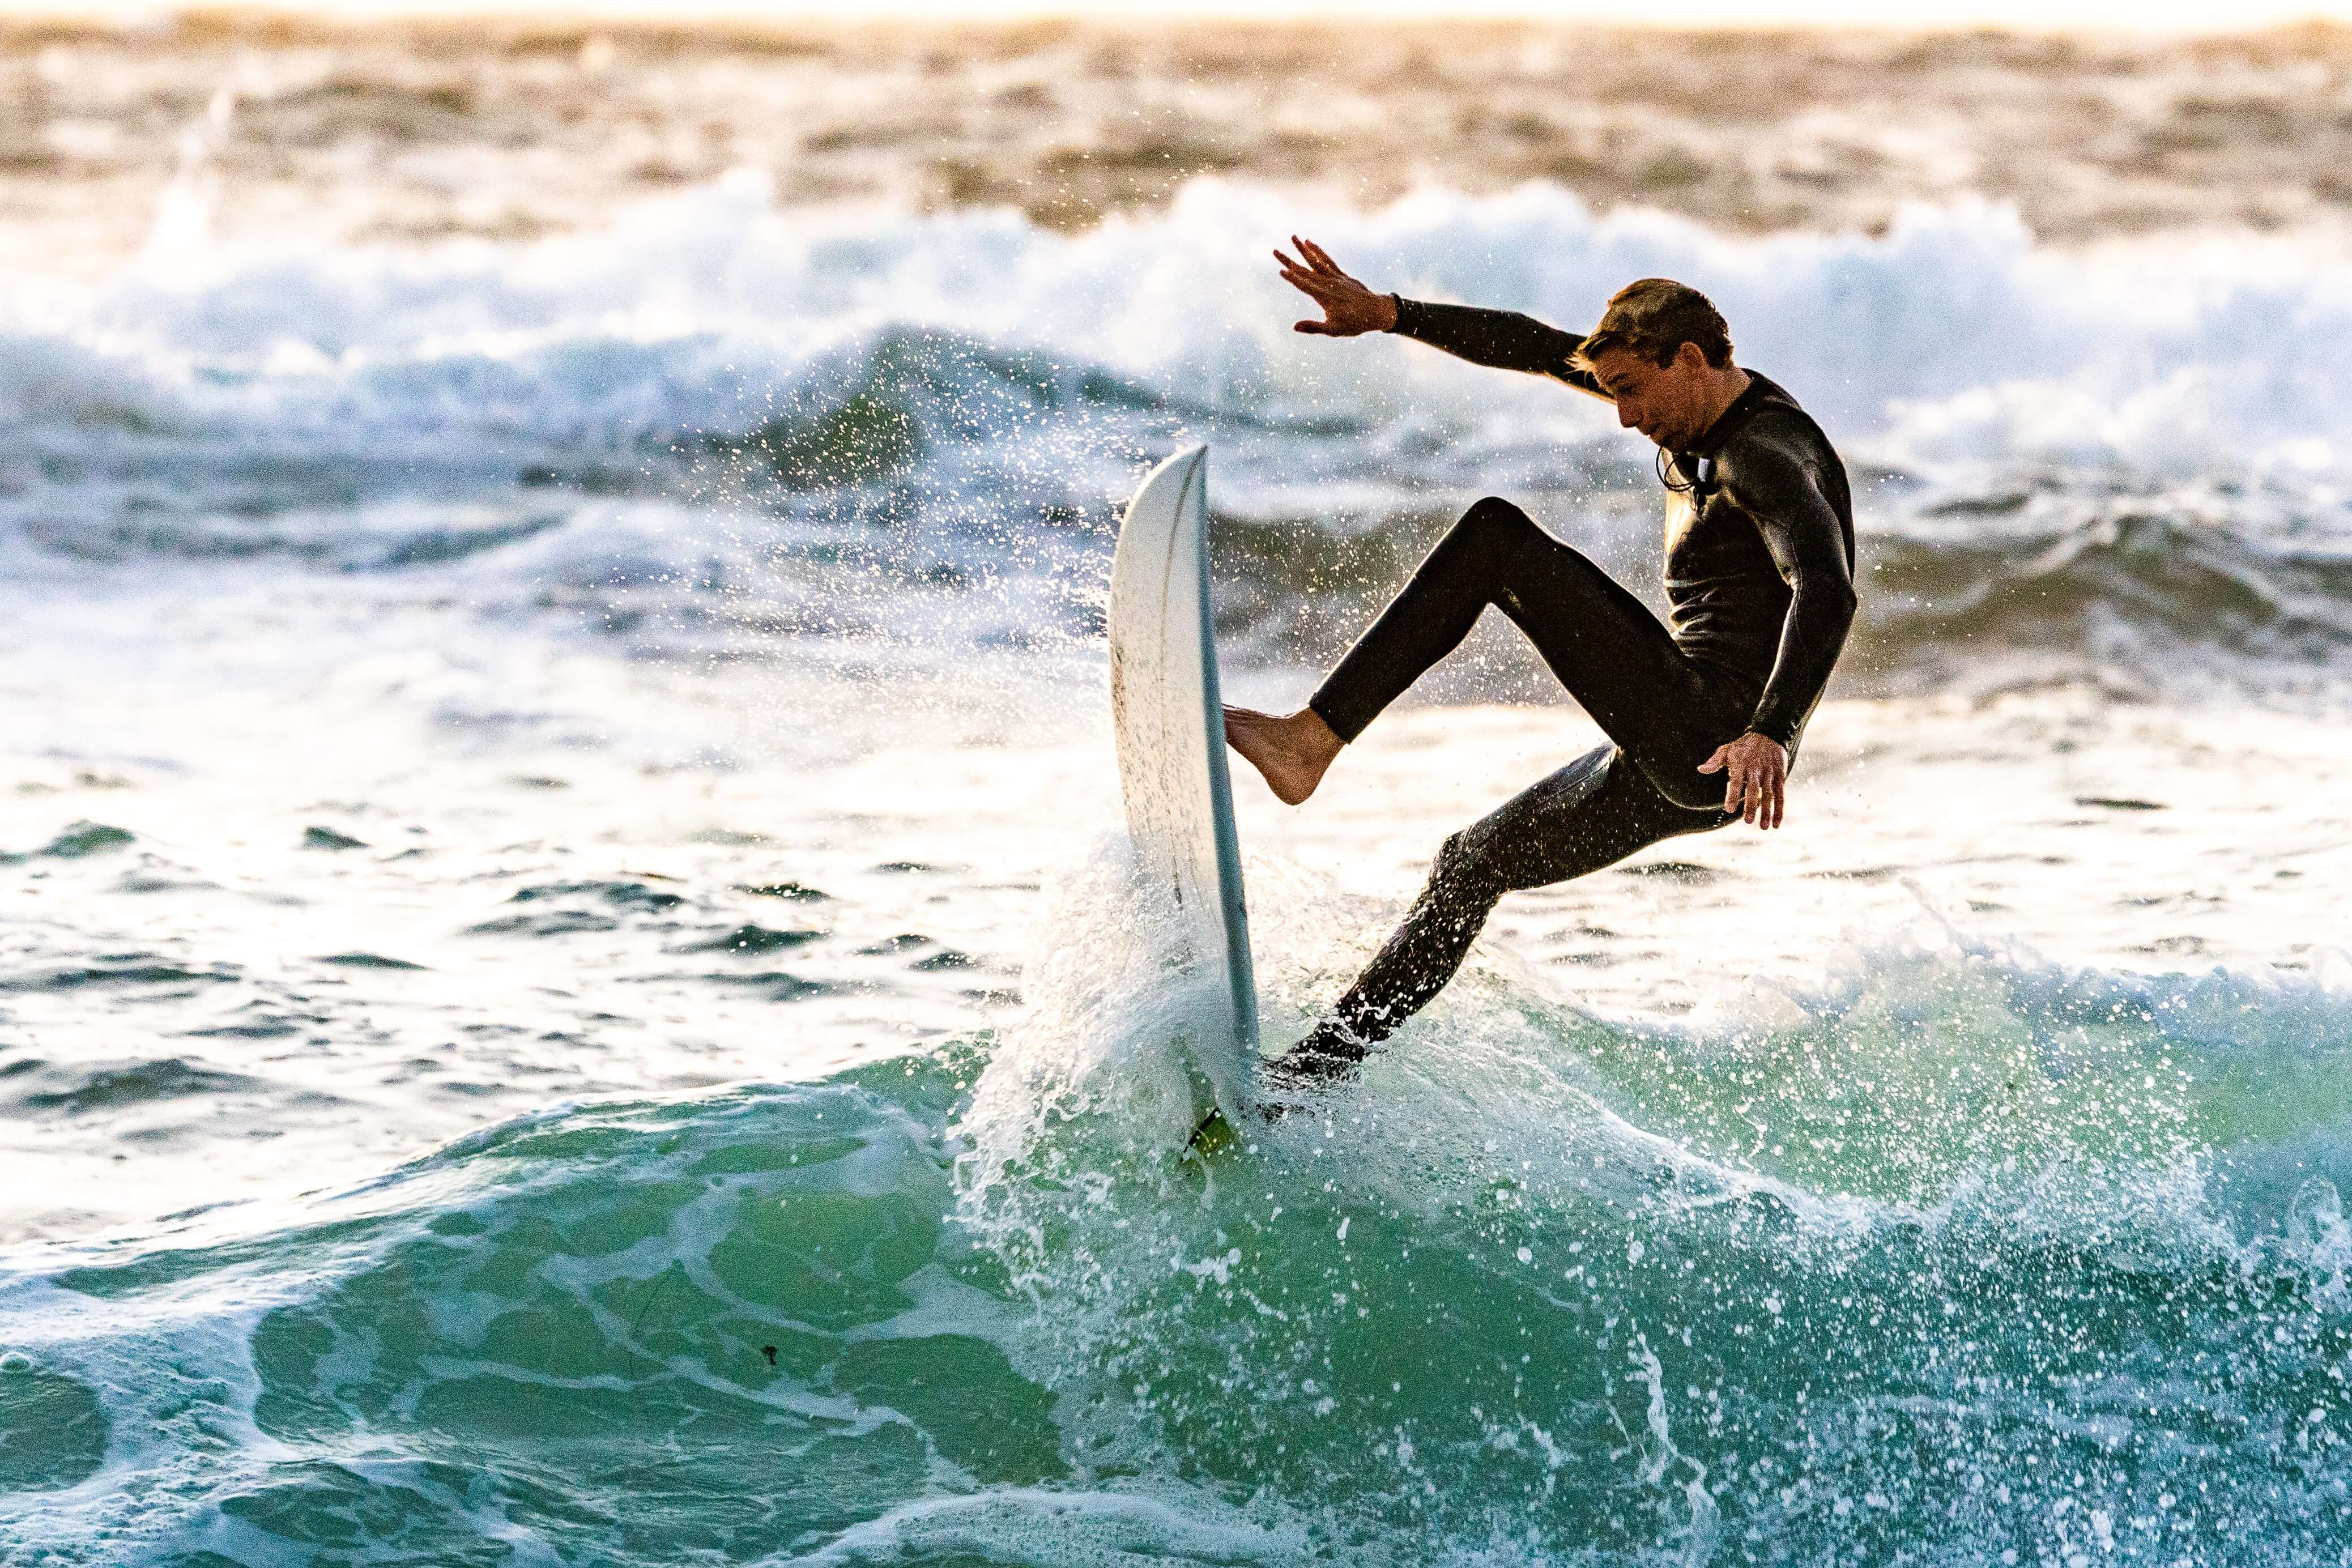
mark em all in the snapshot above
pixel 571 989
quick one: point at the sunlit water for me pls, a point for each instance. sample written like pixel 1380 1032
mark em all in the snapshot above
pixel 571 990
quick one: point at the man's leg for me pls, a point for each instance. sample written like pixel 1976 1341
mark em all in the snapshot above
pixel 1590 813
pixel 1616 658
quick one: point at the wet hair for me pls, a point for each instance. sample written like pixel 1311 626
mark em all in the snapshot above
pixel 1654 318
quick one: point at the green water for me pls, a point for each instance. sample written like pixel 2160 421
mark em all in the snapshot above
pixel 2051 1264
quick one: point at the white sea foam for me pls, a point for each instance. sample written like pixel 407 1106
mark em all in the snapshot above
pixel 1952 337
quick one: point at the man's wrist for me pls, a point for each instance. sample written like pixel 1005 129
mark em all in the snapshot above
pixel 1395 311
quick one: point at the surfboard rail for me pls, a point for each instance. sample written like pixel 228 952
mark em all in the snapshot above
pixel 1168 722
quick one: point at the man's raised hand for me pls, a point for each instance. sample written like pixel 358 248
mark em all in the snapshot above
pixel 1349 308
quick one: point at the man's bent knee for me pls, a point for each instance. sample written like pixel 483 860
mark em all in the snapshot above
pixel 1507 537
pixel 1492 512
pixel 1464 873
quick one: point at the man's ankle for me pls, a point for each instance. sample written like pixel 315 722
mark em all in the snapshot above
pixel 1333 1041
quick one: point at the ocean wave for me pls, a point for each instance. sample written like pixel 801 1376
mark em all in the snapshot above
pixel 2140 594
pixel 1952 335
pixel 1958 1253
pixel 810 422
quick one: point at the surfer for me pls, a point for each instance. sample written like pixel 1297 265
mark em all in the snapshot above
pixel 1760 584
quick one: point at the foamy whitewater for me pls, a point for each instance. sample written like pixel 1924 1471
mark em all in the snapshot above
pixel 572 989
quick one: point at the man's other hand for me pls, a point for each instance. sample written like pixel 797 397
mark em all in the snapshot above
pixel 1757 766
pixel 1349 308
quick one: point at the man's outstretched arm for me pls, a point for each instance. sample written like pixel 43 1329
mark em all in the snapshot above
pixel 1502 339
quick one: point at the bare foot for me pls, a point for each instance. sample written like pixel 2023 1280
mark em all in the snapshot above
pixel 1291 750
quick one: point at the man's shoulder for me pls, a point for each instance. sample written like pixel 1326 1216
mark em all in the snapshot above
pixel 1779 462
pixel 1778 427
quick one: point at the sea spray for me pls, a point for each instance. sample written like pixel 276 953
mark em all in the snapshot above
pixel 1582 1288
pixel 903 1306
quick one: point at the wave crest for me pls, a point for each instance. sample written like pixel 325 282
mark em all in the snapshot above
pixel 958 401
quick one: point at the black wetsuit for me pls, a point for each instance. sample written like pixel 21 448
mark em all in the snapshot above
pixel 1760 582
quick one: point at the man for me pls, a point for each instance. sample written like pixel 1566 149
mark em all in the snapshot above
pixel 1760 582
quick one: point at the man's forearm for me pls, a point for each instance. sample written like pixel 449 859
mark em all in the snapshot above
pixel 1820 614
pixel 1501 340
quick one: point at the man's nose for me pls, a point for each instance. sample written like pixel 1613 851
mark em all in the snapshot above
pixel 1626 418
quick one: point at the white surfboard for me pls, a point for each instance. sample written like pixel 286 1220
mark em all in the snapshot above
pixel 1169 724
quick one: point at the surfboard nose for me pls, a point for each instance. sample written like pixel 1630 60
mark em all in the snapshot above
pixel 1166 484
pixel 1169 723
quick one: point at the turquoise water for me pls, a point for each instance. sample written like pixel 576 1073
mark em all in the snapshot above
pixel 2049 1262
pixel 557 824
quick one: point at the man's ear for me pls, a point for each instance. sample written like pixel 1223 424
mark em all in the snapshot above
pixel 1690 357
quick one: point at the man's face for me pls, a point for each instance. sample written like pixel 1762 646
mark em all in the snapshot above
pixel 1665 403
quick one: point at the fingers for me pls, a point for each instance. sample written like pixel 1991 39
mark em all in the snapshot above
pixel 1314 285
pixel 1349 308
pixel 1304 266
pixel 1762 797
pixel 1735 787
pixel 1759 801
pixel 1314 267
pixel 1316 255
pixel 1317 287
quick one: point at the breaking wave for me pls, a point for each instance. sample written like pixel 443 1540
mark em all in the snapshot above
pixel 1957 1255
pixel 2061 453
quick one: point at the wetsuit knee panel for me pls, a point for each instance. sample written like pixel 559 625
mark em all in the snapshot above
pixel 1489 546
pixel 1466 871
pixel 1492 515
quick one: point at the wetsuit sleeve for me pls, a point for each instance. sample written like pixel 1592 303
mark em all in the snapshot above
pixel 1503 340
pixel 1776 487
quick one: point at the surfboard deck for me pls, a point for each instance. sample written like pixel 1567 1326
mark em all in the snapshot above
pixel 1168 719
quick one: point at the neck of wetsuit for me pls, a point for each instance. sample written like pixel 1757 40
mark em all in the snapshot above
pixel 1697 462
pixel 1735 414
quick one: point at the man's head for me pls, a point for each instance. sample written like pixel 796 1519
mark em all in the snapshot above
pixel 1663 352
